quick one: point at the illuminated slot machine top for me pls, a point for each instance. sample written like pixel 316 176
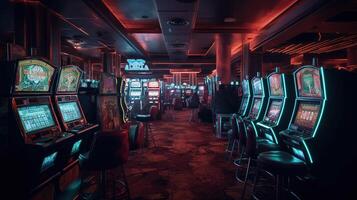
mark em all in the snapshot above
pixel 67 102
pixel 107 104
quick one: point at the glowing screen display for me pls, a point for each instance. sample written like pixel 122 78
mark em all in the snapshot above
pixel 308 82
pixel 306 115
pixel 154 84
pixel 274 111
pixel 35 117
pixel 136 65
pixel 275 85
pixel 245 87
pixel 255 108
pixel 257 86
pixel 135 93
pixel 33 76
pixel 135 84
pixel 153 93
pixel 69 79
pixel 70 111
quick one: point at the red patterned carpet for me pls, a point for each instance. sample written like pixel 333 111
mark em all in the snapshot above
pixel 188 163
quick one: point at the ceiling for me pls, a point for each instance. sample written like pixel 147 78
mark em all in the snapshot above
pixel 181 33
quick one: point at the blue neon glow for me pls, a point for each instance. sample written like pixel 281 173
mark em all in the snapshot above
pixel 48 161
pixel 136 65
pixel 75 147
pixel 298 152
pixel 307 150
pixel 323 101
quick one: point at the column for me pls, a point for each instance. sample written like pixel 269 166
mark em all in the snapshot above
pixel 352 56
pixel 223 57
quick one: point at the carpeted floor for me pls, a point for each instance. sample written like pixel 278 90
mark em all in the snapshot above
pixel 187 164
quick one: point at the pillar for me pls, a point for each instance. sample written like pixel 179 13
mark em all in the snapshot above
pixel 177 78
pixel 223 57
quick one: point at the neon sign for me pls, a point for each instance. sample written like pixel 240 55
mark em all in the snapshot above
pixel 136 65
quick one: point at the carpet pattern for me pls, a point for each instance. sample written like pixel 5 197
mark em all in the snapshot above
pixel 188 163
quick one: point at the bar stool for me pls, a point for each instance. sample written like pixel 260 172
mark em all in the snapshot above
pixel 233 137
pixel 282 165
pixel 109 151
pixel 145 119
pixel 242 139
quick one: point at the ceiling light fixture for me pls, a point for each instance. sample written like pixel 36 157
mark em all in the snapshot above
pixel 229 19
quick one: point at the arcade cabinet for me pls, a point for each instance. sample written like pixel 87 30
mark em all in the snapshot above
pixel 36 140
pixel 321 129
pixel 258 104
pixel 154 93
pixel 279 107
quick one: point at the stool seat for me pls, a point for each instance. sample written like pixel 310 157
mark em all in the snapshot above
pixel 143 117
pixel 281 162
pixel 264 145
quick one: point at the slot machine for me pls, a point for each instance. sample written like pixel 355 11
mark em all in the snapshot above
pixel 258 104
pixel 135 91
pixel 108 108
pixel 321 129
pixel 30 123
pixel 246 99
pixel 154 92
pixel 279 107
pixel 69 108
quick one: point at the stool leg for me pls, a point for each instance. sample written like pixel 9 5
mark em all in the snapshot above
pixel 125 181
pixel 246 178
pixel 277 190
pixel 257 174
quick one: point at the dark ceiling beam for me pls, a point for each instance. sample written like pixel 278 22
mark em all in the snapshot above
pixel 301 17
pixel 101 10
pixel 144 30
pixel 218 28
pixel 334 27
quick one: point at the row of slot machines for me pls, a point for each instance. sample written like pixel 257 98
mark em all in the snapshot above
pixel 308 114
pixel 43 126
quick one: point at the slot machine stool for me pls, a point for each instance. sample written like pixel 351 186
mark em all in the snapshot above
pixel 109 151
pixel 146 119
pixel 282 165
pixel 233 137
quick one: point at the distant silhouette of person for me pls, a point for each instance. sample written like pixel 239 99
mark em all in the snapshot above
pixel 194 103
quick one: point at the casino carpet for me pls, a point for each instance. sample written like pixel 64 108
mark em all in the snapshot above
pixel 187 164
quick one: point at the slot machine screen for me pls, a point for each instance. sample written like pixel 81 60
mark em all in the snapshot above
pixel 69 79
pixel 154 84
pixel 108 84
pixel 33 76
pixel 48 161
pixel 255 108
pixel 309 83
pixel 274 111
pixel 243 104
pixel 257 86
pixel 306 115
pixel 275 85
pixel 153 93
pixel 35 117
pixel 135 93
pixel 245 87
pixel 135 84
pixel 70 111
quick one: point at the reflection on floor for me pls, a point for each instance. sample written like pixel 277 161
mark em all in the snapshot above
pixel 188 164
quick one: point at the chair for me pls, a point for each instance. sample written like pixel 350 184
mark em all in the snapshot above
pixel 108 152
